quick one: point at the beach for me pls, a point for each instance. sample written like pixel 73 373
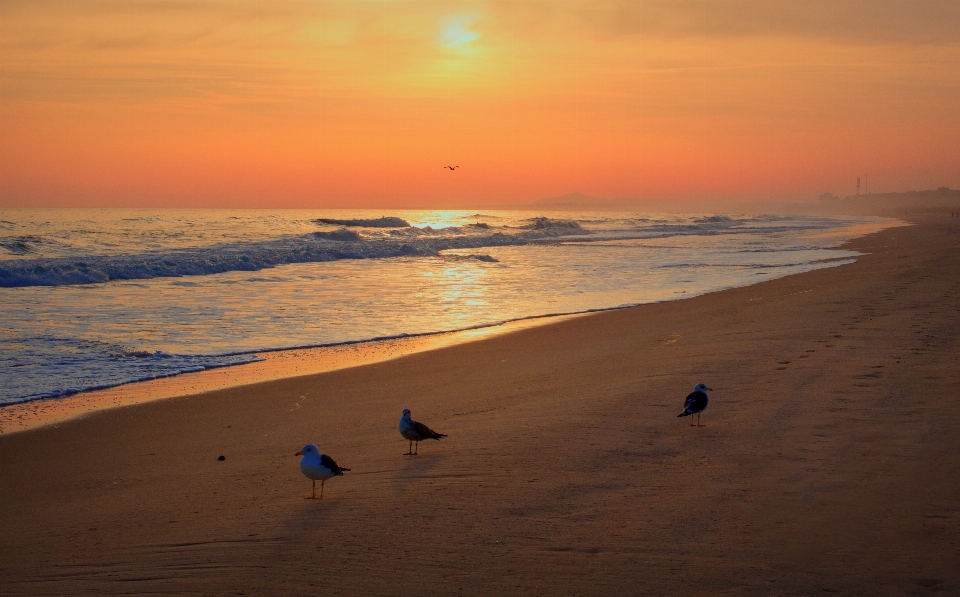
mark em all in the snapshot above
pixel 828 463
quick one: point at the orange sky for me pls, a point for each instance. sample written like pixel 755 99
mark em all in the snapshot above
pixel 359 103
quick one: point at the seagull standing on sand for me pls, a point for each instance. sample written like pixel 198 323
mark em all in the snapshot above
pixel 315 465
pixel 696 402
pixel 415 432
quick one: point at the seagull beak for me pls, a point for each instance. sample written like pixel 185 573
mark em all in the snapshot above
pixel 299 454
pixel 709 389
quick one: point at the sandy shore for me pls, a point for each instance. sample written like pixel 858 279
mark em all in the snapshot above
pixel 829 463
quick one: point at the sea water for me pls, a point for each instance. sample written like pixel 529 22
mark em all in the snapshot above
pixel 96 298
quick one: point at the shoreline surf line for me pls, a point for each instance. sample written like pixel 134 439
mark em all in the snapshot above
pixel 63 393
pixel 274 364
pixel 38 411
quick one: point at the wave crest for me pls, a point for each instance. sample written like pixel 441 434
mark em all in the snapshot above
pixel 384 222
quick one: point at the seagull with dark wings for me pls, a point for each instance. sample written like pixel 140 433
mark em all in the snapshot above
pixel 695 403
pixel 415 432
pixel 451 168
pixel 318 467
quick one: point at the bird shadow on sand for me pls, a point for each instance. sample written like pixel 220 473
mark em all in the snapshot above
pixel 306 525
pixel 308 516
pixel 417 470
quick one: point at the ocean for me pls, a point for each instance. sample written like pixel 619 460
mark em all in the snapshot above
pixel 94 298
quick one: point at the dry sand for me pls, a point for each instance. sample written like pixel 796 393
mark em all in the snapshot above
pixel 829 463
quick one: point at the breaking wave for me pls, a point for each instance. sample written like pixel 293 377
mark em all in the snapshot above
pixel 384 222
pixel 376 238
pixel 311 248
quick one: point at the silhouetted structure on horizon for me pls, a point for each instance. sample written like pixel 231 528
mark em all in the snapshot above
pixel 941 200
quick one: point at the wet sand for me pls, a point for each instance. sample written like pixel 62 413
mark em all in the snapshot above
pixel 829 462
pixel 278 364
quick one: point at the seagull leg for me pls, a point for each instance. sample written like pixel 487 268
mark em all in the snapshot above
pixel 313 496
pixel 698 421
pixel 409 451
pixel 321 487
pixel 417 450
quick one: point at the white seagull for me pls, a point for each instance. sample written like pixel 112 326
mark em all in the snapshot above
pixel 696 402
pixel 315 465
pixel 415 432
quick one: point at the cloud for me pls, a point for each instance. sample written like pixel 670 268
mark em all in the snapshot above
pixel 838 21
pixel 455 31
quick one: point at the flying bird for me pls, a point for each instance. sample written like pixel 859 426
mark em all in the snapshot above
pixel 451 167
pixel 315 465
pixel 696 402
pixel 415 432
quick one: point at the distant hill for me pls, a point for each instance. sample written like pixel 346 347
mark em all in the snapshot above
pixel 892 204
pixel 942 200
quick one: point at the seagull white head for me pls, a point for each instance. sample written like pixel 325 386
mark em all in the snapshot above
pixel 309 450
pixel 406 412
pixel 702 387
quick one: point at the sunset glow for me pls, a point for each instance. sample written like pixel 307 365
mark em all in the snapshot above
pixel 361 103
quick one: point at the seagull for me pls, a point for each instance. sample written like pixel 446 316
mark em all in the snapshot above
pixel 415 432
pixel 451 168
pixel 696 402
pixel 315 465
